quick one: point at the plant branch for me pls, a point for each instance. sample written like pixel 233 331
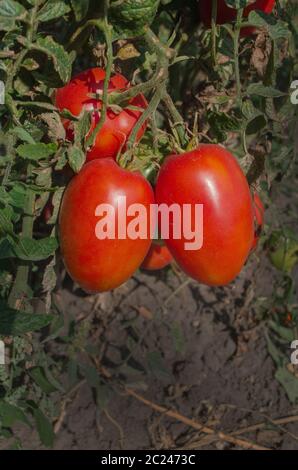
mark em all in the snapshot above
pixel 177 118
pixel 20 284
pixel 214 29
pixel 236 38
pixel 107 30
pixel 194 424
pixel 163 53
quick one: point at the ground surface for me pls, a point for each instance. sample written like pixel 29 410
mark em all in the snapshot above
pixel 213 366
pixel 161 340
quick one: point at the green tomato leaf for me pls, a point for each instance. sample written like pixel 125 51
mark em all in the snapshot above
pixel 283 250
pixel 6 225
pixel 289 382
pixel 80 8
pixel 255 120
pixel 39 377
pixel 221 123
pixel 36 152
pixel 52 9
pixel 29 249
pixel 12 9
pixel 61 59
pixel 15 323
pixel 284 255
pixel 276 29
pixel 76 158
pixel 130 17
pixel 259 89
pixel 285 333
pixel 9 414
pixel 44 428
pixel 6 250
pixel 6 24
pixel 18 195
pixel 23 135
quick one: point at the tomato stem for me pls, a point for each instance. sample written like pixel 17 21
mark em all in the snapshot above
pixel 144 116
pixel 21 281
pixel 214 29
pixel 107 30
pixel 20 284
pixel 236 37
pixel 158 82
pixel 178 120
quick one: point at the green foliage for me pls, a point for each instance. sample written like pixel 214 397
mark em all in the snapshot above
pixel 129 18
pixel 14 322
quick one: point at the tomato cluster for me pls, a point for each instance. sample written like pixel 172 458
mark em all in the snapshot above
pixel 83 93
pixel 208 176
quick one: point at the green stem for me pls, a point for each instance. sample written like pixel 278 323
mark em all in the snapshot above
pixel 10 151
pixel 154 129
pixel 107 30
pixel 76 34
pixel 31 30
pixel 20 284
pixel 214 29
pixel 236 54
pixel 158 82
pixel 177 118
pixel 163 53
pixel 15 69
pixel 38 104
pixel 146 114
pixel 7 54
pixel 118 98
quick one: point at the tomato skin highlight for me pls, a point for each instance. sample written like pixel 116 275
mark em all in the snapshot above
pixel 259 212
pixel 210 175
pixel 117 127
pixel 101 265
pixel 226 14
pixel 157 258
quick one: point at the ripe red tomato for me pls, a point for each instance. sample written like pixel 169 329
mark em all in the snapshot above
pixel 259 211
pixel 226 14
pixel 117 127
pixel 211 176
pixel 158 257
pixel 99 265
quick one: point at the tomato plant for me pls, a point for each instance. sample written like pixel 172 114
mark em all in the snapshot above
pixel 211 176
pixel 101 264
pixel 82 94
pixel 157 258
